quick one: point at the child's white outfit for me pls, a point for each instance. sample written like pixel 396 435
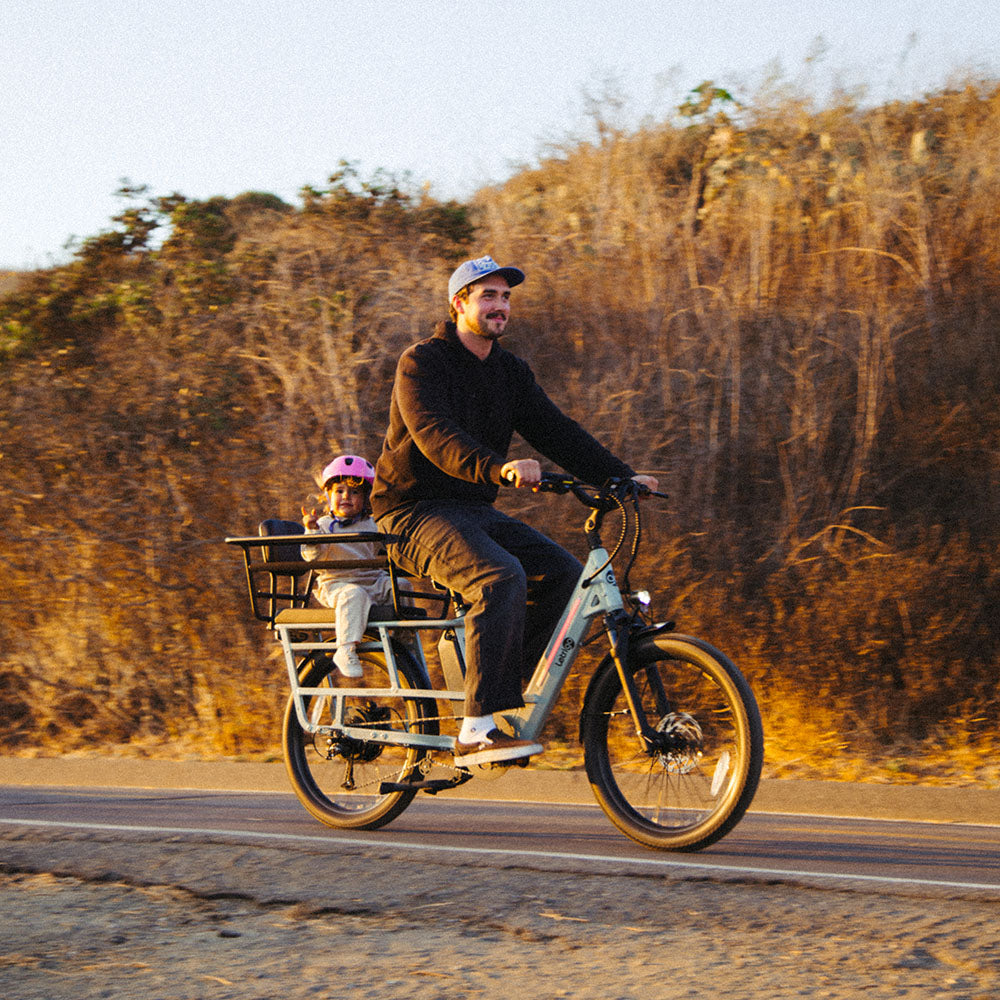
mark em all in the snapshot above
pixel 349 592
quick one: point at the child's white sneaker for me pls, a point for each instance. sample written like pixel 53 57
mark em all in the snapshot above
pixel 346 659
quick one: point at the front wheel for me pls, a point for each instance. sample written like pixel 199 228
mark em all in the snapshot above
pixel 692 781
pixel 338 779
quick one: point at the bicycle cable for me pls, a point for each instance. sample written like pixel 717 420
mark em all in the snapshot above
pixel 612 494
pixel 609 492
pixel 634 494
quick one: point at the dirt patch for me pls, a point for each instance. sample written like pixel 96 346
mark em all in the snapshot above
pixel 113 917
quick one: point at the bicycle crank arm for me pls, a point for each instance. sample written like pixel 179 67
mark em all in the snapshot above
pixel 430 785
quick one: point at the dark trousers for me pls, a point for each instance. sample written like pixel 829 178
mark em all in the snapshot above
pixel 515 580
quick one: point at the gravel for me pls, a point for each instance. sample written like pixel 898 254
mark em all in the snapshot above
pixel 98 915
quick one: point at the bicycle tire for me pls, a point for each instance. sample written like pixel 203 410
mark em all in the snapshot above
pixel 338 780
pixel 694 786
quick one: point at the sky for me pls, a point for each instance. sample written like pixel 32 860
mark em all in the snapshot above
pixel 218 98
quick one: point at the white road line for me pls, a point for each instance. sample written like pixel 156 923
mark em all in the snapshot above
pixel 653 863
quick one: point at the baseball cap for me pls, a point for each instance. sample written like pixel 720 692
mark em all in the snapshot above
pixel 482 267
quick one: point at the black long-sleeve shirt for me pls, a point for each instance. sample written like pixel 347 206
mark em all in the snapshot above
pixel 452 418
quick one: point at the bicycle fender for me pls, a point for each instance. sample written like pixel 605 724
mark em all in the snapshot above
pixel 596 679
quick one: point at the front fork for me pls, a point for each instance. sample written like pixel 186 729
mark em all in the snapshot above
pixel 619 626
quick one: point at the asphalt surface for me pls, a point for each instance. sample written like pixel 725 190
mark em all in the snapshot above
pixel 927 803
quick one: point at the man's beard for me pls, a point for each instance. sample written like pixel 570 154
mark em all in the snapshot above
pixel 487 332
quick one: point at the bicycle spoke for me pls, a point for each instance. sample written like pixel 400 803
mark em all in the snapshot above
pixel 690 779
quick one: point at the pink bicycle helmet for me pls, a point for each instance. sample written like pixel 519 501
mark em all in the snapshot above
pixel 349 467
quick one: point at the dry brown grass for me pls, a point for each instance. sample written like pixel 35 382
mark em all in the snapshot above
pixel 10 281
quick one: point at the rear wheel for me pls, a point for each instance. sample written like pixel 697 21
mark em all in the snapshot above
pixel 693 781
pixel 338 779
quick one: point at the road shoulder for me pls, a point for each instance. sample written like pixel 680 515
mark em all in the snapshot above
pixel 929 803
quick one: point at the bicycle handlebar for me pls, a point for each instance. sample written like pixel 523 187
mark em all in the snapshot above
pixel 605 498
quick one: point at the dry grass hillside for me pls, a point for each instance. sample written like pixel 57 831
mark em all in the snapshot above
pixel 789 313
pixel 9 281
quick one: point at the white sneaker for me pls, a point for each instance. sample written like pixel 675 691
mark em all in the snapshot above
pixel 347 662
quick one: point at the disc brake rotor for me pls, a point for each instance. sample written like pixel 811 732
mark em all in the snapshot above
pixel 679 742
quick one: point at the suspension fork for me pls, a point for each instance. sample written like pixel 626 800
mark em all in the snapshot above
pixel 618 627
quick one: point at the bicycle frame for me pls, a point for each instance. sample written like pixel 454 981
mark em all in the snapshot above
pixel 301 633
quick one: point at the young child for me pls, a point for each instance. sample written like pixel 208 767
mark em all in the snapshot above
pixel 347 482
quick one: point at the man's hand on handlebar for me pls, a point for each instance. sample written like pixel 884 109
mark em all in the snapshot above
pixel 528 473
pixel 523 472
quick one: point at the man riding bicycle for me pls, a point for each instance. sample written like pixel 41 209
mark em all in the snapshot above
pixel 457 399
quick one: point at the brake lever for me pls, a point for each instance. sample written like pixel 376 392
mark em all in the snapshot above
pixel 622 489
pixel 641 490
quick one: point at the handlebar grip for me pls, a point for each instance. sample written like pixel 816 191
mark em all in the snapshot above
pixel 554 482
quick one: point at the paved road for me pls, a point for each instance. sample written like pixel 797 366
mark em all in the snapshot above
pixel 814 798
pixel 806 833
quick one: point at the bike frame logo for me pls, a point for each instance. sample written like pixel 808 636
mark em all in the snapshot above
pixel 568 645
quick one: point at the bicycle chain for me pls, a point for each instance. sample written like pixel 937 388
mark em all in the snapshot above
pixel 426 763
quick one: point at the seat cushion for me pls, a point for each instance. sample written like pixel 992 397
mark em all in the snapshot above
pixel 325 616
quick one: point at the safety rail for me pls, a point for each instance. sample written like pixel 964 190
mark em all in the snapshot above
pixel 280 584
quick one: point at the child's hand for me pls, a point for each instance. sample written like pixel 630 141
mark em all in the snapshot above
pixel 310 519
